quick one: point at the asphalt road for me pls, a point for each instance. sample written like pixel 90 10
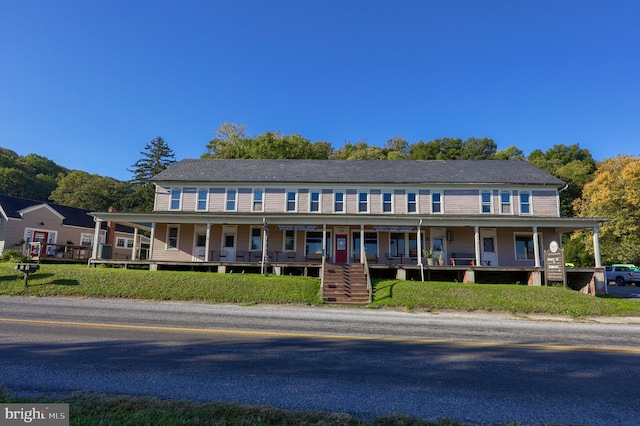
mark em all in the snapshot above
pixel 473 367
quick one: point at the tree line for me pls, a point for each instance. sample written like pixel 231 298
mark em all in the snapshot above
pixel 605 189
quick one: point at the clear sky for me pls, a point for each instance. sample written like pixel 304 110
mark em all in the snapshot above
pixel 87 83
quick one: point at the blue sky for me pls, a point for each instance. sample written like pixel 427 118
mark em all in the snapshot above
pixel 89 83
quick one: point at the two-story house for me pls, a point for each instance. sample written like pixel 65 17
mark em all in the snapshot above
pixel 480 213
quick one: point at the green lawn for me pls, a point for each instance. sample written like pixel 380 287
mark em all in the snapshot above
pixel 82 281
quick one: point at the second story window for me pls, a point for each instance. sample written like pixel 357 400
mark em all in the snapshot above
pixel 232 196
pixel 258 200
pixel 486 201
pixel 292 201
pixel 525 203
pixel 387 202
pixel 338 202
pixel 436 202
pixel 203 196
pixel 176 198
pixel 314 202
pixel 412 202
pixel 363 202
pixel 505 202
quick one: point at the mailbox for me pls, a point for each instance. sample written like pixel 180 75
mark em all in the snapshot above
pixel 26 269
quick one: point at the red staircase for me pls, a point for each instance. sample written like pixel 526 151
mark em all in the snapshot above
pixel 345 284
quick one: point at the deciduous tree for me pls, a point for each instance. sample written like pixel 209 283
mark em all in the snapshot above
pixel 613 194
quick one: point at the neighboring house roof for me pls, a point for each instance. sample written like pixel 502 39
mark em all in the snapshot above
pixel 358 171
pixel 72 216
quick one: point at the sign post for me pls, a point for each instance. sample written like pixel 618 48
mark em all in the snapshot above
pixel 554 265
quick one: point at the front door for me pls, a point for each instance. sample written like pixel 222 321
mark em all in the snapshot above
pixel 228 251
pixel 199 250
pixel 341 248
pixel 39 237
pixel 488 247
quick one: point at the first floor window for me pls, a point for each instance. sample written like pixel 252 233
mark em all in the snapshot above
pixel 397 244
pixel 124 242
pixel 370 242
pixel 314 243
pixel 524 247
pixel 86 240
pixel 256 239
pixel 289 240
pixel 172 237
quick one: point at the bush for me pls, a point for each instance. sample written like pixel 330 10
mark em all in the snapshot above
pixel 13 256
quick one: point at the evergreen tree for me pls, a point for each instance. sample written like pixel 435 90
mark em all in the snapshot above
pixel 157 156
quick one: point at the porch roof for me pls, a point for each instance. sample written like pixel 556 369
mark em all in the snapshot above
pixel 145 220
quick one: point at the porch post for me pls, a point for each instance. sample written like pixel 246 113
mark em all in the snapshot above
pixel 151 239
pixel 96 238
pixel 536 247
pixel 596 247
pixel 362 253
pixel 134 249
pixel 207 241
pixel 265 238
pixel 420 250
pixel 476 239
pixel 324 242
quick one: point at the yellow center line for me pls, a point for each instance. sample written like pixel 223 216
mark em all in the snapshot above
pixel 220 331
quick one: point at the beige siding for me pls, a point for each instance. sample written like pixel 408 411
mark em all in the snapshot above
pixel 351 201
pixel 245 199
pixel 303 201
pixel 185 243
pixel 544 203
pixel 375 201
pixel 274 200
pixel 217 199
pixel 459 202
pixel 162 199
pixel 189 198
pixel 424 198
pixel 399 199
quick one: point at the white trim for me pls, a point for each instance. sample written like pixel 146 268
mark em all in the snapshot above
pixel 530 203
pixel 416 202
pixel 510 193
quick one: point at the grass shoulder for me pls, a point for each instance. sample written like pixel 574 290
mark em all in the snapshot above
pixel 248 289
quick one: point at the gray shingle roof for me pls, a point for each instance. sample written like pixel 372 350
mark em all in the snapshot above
pixel 358 171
